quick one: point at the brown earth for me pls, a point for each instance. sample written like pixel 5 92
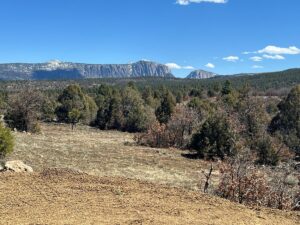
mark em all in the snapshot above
pixel 106 153
pixel 66 197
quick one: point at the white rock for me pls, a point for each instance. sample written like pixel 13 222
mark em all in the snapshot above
pixel 17 166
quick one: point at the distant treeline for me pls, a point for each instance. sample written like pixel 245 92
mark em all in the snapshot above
pixel 272 84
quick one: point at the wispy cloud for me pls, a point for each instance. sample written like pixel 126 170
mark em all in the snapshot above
pixel 188 67
pixel 187 2
pixel 247 53
pixel 231 58
pixel 256 58
pixel 278 57
pixel 257 67
pixel 175 66
pixel 210 65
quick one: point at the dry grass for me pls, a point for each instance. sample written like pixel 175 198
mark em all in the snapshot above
pixel 105 153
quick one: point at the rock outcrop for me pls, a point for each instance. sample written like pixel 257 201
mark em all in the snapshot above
pixel 200 74
pixel 68 70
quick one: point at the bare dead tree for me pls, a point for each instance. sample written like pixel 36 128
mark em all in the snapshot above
pixel 208 177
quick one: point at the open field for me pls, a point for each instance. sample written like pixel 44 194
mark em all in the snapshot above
pixel 106 153
pixel 120 183
pixel 66 197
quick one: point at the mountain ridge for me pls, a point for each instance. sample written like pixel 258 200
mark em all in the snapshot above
pixel 200 74
pixel 69 70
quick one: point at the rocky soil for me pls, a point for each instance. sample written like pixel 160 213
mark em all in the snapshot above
pixel 67 197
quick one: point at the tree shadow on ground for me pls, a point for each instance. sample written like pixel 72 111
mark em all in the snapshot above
pixel 192 155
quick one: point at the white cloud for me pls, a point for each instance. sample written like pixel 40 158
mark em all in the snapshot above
pixel 274 50
pixel 278 57
pixel 210 65
pixel 231 58
pixel 256 58
pixel 188 67
pixel 187 2
pixel 174 66
pixel 257 67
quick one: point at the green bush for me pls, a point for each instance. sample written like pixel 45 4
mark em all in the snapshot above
pixel 6 141
pixel 73 98
pixel 135 114
pixel 266 153
pixel 287 121
pixel 215 139
pixel 167 105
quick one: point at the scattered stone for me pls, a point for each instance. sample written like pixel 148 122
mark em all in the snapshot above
pixel 17 166
pixel 297 206
pixel 297 166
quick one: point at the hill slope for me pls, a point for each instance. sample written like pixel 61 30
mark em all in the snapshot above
pixel 66 197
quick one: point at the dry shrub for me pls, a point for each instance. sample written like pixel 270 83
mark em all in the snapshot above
pixel 156 136
pixel 176 133
pixel 241 181
pixel 24 110
pixel 182 125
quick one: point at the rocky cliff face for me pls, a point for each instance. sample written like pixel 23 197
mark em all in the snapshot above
pixel 67 70
pixel 200 74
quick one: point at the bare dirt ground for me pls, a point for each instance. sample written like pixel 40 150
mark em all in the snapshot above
pixel 66 197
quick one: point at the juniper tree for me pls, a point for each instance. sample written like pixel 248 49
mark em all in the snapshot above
pixel 287 121
pixel 166 108
pixel 73 98
pixel 24 110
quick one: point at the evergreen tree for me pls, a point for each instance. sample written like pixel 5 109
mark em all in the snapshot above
pixel 287 121
pixel 104 90
pixel 24 110
pixel 166 108
pixel 227 88
pixel 148 96
pixel 179 97
pixel 109 115
pixel 134 112
pixel 73 99
pixel 196 93
pixel 265 152
pixel 215 139
pixel 6 141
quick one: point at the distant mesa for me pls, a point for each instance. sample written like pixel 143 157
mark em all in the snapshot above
pixel 55 69
pixel 200 74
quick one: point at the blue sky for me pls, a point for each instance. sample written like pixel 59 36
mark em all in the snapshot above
pixel 203 34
